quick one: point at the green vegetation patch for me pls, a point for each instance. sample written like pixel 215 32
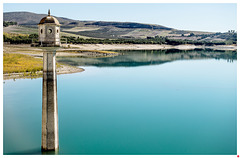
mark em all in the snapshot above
pixel 7 23
pixel 19 38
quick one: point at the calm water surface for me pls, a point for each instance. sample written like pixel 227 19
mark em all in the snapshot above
pixel 139 103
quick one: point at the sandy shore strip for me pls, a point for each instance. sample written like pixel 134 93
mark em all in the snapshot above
pixel 63 69
pixel 147 47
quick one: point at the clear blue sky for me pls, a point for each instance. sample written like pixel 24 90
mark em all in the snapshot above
pixel 214 17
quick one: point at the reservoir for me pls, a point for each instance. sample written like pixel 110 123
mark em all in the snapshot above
pixel 138 103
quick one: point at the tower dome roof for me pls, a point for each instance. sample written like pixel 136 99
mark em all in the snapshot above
pixel 49 19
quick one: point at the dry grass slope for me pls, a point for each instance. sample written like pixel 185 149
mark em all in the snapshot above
pixel 21 63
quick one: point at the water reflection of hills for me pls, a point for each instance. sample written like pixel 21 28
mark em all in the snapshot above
pixel 148 57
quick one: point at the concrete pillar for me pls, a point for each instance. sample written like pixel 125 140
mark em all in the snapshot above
pixel 49 102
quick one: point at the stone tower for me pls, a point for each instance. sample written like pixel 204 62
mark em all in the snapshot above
pixel 49 40
pixel 49 31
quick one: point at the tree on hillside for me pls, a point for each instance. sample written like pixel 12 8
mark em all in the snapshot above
pixel 191 34
pixel 7 23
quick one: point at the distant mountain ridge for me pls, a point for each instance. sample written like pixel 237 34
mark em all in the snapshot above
pixel 29 18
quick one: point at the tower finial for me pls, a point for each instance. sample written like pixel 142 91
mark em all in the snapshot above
pixel 48 12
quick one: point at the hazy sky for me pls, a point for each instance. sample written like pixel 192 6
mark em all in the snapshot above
pixel 213 17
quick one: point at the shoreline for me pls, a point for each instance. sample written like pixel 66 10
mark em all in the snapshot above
pixel 148 47
pixel 64 69
pixel 81 50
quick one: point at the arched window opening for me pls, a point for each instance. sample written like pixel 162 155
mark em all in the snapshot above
pixel 49 30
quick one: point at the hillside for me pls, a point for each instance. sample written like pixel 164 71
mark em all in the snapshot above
pixel 27 24
pixel 95 29
pixel 28 18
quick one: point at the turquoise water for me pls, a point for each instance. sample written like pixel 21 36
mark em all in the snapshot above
pixel 179 106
